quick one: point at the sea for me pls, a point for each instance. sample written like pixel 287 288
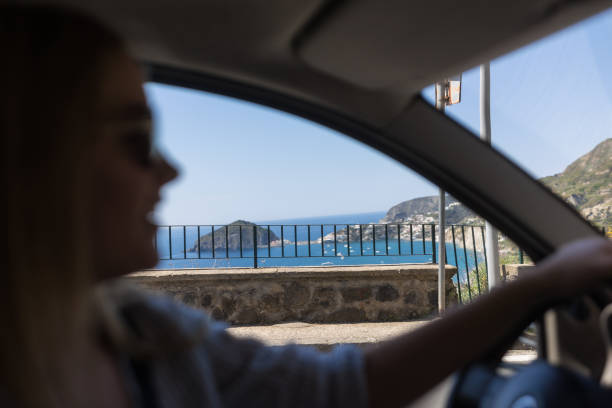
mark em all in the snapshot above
pixel 298 252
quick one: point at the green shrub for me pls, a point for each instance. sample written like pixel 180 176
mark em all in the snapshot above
pixel 478 284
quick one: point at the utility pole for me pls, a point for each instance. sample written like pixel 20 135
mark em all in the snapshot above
pixel 441 90
pixel 492 247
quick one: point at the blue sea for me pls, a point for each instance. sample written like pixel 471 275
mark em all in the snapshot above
pixel 297 252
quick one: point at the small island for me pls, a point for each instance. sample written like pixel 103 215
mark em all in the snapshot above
pixel 231 234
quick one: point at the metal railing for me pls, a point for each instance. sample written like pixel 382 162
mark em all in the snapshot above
pixel 294 241
pixel 342 244
pixel 339 244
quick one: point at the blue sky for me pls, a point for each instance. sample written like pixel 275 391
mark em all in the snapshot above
pixel 550 103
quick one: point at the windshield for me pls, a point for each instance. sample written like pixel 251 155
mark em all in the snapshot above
pixel 551 112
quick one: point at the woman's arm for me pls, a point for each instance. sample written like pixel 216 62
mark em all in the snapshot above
pixel 402 369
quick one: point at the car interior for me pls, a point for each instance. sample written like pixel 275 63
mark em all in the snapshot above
pixel 359 67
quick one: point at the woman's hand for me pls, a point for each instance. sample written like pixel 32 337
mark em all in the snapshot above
pixel 477 328
pixel 574 269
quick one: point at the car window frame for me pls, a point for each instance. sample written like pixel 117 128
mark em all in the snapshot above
pixel 472 196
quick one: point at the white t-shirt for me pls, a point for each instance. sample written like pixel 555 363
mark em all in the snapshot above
pixel 179 357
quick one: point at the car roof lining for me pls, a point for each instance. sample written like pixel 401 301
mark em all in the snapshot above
pixel 413 47
pixel 281 44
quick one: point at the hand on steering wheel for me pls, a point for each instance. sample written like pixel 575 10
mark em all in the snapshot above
pixel 584 326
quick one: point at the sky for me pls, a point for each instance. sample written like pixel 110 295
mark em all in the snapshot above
pixel 551 102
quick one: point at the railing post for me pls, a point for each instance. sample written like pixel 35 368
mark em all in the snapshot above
pixel 170 240
pixel 475 259
pixel 442 252
pixel 411 242
pixel 199 248
pixel 240 229
pixel 226 241
pixel 433 244
pixel 361 239
pixel 254 246
pixel 269 249
pixel 456 264
pixel 423 239
pixel 348 241
pixel 465 259
pixel 386 239
pixel 155 239
pixel 322 243
pixel 335 242
pixel 212 239
pixel 399 242
pixel 484 249
pixel 282 241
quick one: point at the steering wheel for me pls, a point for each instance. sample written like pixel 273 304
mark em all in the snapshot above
pixel 577 372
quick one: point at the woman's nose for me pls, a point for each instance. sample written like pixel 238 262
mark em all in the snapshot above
pixel 166 171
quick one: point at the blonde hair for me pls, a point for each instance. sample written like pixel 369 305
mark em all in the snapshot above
pixel 49 81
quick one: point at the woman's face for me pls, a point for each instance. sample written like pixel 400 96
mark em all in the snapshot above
pixel 128 174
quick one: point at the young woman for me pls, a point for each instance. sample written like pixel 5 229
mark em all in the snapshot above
pixel 81 178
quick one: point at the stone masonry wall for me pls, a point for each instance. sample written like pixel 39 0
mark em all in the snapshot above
pixel 310 294
pixel 510 272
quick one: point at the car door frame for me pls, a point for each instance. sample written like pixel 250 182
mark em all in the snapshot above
pixel 442 151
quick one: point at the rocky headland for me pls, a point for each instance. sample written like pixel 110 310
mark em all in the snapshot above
pixel 232 234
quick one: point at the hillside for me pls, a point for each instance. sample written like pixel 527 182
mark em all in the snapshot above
pixel 424 210
pixel 587 184
pixel 233 237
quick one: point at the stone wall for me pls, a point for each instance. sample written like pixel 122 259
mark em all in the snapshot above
pixel 310 294
pixel 510 272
